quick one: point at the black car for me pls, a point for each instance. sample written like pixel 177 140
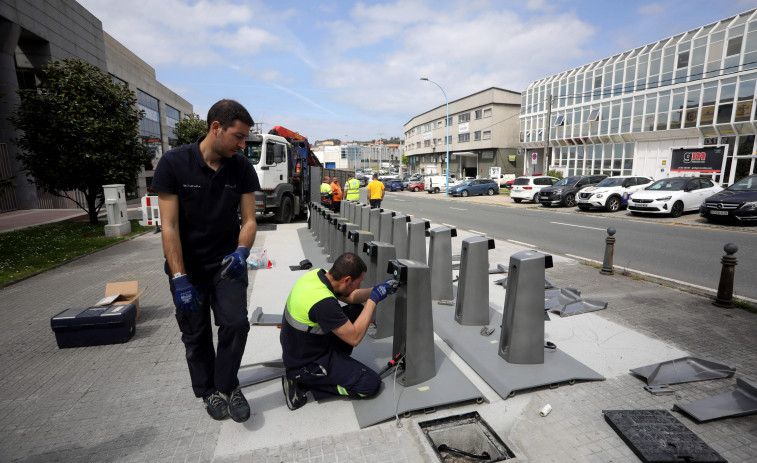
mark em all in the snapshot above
pixel 737 202
pixel 563 193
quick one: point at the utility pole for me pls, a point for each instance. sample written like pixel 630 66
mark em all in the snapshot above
pixel 547 129
pixel 381 135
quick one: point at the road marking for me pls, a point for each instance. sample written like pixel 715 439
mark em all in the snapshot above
pixel 448 225
pixel 579 226
pixel 458 208
pixel 477 232
pixel 400 200
pixel 522 243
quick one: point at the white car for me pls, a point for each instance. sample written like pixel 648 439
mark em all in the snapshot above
pixel 672 196
pixel 611 193
pixel 528 187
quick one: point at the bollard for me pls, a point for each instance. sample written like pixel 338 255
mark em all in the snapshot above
pixel 399 235
pixel 725 287
pixel 416 240
pixel 440 262
pixel 607 268
pixel 385 226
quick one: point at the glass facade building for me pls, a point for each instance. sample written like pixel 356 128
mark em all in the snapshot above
pixel 624 114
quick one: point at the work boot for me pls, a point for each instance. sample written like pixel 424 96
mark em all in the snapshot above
pixel 294 395
pixel 216 406
pixel 239 408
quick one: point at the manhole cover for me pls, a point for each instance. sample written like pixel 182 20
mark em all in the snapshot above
pixel 465 438
pixel 657 436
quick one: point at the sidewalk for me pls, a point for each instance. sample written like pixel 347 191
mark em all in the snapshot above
pixel 133 401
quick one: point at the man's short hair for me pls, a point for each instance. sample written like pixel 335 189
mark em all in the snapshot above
pixel 375 176
pixel 348 264
pixel 326 179
pixel 228 111
pixel 335 180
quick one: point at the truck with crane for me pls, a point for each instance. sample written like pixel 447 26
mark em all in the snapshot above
pixel 283 160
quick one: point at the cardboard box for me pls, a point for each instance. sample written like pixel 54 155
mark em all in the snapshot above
pixel 122 292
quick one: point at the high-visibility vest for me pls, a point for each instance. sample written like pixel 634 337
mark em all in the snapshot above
pixel 325 189
pixel 308 290
pixel 353 189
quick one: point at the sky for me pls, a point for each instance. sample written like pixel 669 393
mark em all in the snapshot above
pixel 351 70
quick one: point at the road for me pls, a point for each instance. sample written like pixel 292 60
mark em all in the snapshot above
pixel 680 249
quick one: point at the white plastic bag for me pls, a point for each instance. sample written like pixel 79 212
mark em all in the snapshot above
pixel 258 258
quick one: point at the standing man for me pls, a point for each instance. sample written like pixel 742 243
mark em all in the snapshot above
pixel 336 195
pixel 318 334
pixel 200 188
pixel 326 192
pixel 352 189
pixel 376 190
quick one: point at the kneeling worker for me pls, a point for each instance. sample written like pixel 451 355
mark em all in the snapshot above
pixel 318 334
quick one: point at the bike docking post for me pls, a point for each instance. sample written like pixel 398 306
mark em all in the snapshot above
pixel 413 322
pixel 440 262
pixel 385 226
pixel 327 232
pixel 344 236
pixel 522 331
pixel 373 222
pixel 380 254
pixel 607 267
pixel 365 218
pixel 321 226
pixel 399 235
pixel 359 238
pixel 727 273
pixel 315 218
pixel 337 244
pixel 472 303
pixel 416 240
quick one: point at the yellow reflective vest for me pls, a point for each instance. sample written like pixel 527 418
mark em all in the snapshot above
pixel 308 290
pixel 353 189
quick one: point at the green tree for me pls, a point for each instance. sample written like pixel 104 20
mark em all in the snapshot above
pixel 79 133
pixel 188 130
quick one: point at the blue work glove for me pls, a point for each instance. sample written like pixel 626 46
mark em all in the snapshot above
pixel 391 285
pixel 235 264
pixel 185 295
pixel 378 293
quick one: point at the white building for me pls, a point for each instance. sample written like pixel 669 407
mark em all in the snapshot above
pixel 626 114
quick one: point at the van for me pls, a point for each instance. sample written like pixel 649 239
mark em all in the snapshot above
pixel 437 183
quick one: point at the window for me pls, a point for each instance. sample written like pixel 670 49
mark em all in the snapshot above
pixel 683 60
pixel 417 144
pixel 734 46
pixel 426 143
pixel 463 118
pixel 439 124
pixel 560 120
pixel 449 121
pixel 593 116
pixel 478 114
pixel 449 139
pixel 477 135
pixel 487 135
pixel 463 137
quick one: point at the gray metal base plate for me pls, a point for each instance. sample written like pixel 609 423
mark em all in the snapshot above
pixel 683 370
pixel 262 319
pixel 448 386
pixel 258 374
pixel 741 402
pixel 481 353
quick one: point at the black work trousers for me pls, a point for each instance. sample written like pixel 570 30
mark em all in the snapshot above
pixel 336 373
pixel 212 370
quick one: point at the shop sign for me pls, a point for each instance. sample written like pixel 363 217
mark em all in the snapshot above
pixel 702 159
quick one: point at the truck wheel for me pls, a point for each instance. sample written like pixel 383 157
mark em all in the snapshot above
pixel 613 204
pixel 284 212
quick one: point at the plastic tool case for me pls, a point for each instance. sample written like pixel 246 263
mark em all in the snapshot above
pixel 94 326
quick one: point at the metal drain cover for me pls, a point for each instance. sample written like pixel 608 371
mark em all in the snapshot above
pixel 657 436
pixel 465 438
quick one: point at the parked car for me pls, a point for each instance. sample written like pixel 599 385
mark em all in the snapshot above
pixel 672 196
pixel 415 185
pixel 563 193
pixel 528 187
pixel 737 202
pixel 478 186
pixel 611 193
pixel 408 179
pixel 437 183
pixel 393 184
pixel 509 184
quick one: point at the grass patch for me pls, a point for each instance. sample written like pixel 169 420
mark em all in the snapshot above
pixel 29 250
pixel 744 306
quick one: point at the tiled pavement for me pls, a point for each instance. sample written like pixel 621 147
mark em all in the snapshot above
pixel 132 402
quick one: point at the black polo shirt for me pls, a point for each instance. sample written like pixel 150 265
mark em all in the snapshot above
pixel 300 348
pixel 208 201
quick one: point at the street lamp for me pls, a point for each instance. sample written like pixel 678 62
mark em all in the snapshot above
pixel 446 122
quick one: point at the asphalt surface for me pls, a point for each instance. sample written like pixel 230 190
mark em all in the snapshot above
pixel 686 249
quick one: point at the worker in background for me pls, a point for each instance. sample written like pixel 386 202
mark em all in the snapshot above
pixel 376 190
pixel 326 192
pixel 336 195
pixel 352 189
pixel 318 333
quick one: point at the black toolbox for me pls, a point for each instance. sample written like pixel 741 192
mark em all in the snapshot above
pixel 94 326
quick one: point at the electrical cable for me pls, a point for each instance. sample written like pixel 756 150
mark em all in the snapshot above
pixel 394 393
pixel 446 448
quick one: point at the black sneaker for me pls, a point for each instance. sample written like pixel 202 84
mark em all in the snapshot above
pixel 294 395
pixel 239 408
pixel 216 406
